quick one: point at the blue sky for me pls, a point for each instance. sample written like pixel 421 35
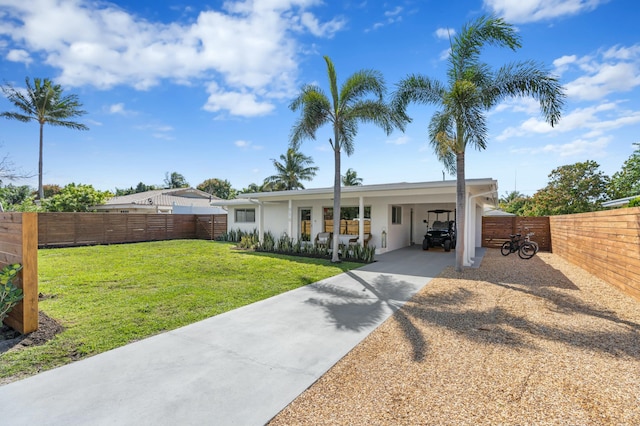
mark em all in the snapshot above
pixel 203 88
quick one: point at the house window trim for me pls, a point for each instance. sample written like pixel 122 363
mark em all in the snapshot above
pixel 245 211
pixel 396 215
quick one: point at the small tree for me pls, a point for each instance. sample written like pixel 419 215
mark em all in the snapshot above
pixel 351 178
pixel 293 168
pixel 175 180
pixel 626 182
pixel 575 188
pixel 220 188
pixel 76 198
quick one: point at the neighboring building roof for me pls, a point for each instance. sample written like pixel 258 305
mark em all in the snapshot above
pixel 497 212
pixel 380 190
pixel 619 202
pixel 168 198
pixel 165 197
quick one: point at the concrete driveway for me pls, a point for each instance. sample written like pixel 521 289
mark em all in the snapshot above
pixel 238 368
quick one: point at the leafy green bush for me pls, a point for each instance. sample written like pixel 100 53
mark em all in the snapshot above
pixel 287 245
pixel 10 295
pixel 635 202
pixel 235 235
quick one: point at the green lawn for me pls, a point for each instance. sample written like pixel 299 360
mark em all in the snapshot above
pixel 108 296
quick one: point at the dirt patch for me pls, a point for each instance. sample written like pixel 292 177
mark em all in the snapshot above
pixel 11 340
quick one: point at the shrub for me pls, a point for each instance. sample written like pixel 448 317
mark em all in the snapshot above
pixel 10 295
pixel 635 202
pixel 248 241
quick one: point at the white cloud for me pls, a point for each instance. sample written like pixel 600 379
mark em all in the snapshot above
pixel 19 55
pixel 595 148
pixel 119 109
pixel 400 140
pixel 562 64
pixel 237 103
pixel 327 29
pixel 521 11
pixel 595 120
pixel 394 12
pixel 390 17
pixel 445 33
pixel 615 70
pixel 246 145
pixel 526 105
pixel 247 47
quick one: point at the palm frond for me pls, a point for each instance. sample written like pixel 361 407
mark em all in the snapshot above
pixel 360 84
pixel 486 30
pixel 529 79
pixel 443 139
pixel 419 89
pixel 333 84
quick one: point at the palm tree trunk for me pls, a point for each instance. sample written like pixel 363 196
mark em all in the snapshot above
pixel 336 202
pixel 40 186
pixel 461 195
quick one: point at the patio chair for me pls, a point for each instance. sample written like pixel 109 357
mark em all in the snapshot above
pixel 323 239
pixel 367 238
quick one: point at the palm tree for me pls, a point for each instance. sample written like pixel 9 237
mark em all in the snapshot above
pixel 43 102
pixel 472 89
pixel 351 178
pixel 175 180
pixel 343 110
pixel 294 168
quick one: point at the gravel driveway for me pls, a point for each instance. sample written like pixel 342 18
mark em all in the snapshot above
pixel 516 341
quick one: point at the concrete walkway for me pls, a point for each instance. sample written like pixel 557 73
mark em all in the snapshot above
pixel 238 368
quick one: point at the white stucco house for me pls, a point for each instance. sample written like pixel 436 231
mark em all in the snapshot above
pixel 393 213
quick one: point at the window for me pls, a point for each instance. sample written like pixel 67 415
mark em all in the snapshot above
pixel 396 215
pixel 245 215
pixel 349 224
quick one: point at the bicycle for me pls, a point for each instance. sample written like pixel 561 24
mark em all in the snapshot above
pixel 529 248
pixel 526 249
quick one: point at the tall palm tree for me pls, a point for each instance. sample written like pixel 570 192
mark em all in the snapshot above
pixel 351 178
pixel 343 110
pixel 43 102
pixel 294 168
pixel 472 88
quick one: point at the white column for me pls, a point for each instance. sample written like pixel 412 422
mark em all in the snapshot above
pixel 361 222
pixel 260 223
pixel 290 219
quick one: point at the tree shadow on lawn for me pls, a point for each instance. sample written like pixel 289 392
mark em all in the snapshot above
pixel 550 292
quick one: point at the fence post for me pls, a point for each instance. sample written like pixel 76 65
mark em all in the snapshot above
pixel 24 316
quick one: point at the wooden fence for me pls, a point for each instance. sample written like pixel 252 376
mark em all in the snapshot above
pixel 76 229
pixel 606 244
pixel 19 244
pixel 496 230
pixel 348 227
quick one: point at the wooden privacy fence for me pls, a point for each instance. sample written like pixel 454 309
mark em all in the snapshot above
pixel 75 229
pixel 348 227
pixel 19 244
pixel 606 244
pixel 496 230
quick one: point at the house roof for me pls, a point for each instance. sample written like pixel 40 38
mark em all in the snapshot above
pixel 474 186
pixel 497 212
pixel 619 202
pixel 164 197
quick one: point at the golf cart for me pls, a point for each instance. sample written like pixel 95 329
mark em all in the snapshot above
pixel 441 233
